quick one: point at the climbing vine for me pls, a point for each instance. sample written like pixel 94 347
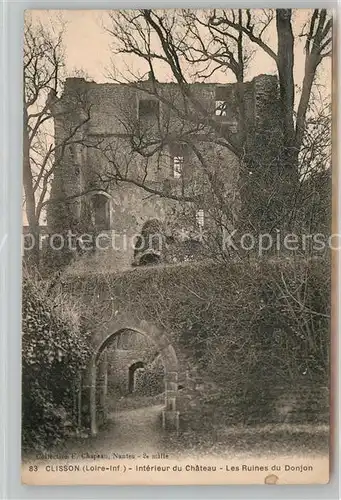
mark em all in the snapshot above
pixel 55 350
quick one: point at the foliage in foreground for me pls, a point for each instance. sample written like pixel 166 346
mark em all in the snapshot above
pixel 54 352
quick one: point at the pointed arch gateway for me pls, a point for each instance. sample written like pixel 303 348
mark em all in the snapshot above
pixel 170 415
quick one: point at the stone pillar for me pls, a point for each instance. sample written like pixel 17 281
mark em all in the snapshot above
pixel 93 405
pixel 79 402
pixel 101 389
pixel 170 415
pixel 103 375
pixel 170 420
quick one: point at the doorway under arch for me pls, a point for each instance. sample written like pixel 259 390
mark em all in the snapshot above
pixel 139 365
pixel 170 415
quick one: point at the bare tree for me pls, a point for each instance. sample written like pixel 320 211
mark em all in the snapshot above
pixel 318 36
pixel 43 73
pixel 212 46
pixel 314 207
pixel 147 148
pixel 194 45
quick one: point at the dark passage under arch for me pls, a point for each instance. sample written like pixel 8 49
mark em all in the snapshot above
pixel 170 414
pixel 131 376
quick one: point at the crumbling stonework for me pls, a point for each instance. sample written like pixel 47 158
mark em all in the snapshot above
pixel 130 142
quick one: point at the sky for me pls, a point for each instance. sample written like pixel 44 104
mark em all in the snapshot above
pixel 87 45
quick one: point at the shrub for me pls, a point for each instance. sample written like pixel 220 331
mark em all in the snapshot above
pixel 54 352
pixel 150 381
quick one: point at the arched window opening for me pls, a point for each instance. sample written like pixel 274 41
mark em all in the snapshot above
pixel 101 210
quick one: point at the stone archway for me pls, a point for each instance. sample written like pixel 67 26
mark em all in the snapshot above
pixel 170 415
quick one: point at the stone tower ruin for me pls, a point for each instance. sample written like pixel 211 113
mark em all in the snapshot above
pixel 137 152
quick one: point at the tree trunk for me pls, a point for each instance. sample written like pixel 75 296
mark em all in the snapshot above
pixel 288 167
pixel 285 64
pixel 29 193
pixel 240 84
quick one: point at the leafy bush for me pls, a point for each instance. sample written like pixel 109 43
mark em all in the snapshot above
pixel 54 352
pixel 150 381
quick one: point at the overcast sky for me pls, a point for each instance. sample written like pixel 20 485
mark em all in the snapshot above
pixel 87 46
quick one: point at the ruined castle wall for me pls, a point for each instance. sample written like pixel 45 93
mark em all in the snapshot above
pixel 107 143
pixel 174 299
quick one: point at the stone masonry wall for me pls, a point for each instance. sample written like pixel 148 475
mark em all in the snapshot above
pixel 105 143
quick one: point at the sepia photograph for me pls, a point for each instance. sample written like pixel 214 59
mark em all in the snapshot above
pixel 177 246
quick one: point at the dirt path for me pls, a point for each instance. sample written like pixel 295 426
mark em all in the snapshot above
pixel 130 431
pixel 138 431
